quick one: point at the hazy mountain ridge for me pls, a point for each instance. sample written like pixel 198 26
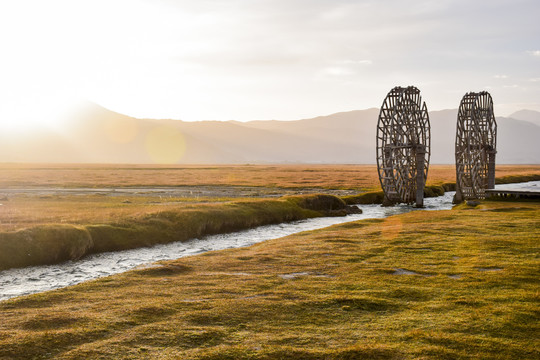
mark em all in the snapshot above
pixel 527 115
pixel 97 135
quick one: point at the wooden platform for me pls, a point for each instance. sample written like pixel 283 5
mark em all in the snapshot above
pixel 524 193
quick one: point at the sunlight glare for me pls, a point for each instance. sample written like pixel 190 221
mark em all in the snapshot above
pixel 56 52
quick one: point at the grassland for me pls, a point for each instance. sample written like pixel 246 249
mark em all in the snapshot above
pixel 54 213
pixel 20 210
pixel 355 177
pixel 458 284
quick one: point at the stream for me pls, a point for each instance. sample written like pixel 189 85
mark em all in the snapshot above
pixel 34 279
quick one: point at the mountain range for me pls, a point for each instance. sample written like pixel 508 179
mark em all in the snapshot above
pixel 97 135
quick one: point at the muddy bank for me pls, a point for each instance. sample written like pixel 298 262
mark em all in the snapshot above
pixel 50 244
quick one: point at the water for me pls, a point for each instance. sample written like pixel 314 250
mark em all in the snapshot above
pixel 29 280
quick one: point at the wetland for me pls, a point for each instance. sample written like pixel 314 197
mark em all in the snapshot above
pixel 459 283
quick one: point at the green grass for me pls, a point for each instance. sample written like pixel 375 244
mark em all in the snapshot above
pixel 377 197
pixel 371 197
pixel 336 293
pixel 509 179
pixel 49 244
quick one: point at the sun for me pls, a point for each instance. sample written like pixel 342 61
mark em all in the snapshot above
pixel 30 113
pixel 36 68
pixel 57 52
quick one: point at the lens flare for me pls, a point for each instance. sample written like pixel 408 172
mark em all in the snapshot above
pixel 165 145
pixel 121 130
pixel 392 228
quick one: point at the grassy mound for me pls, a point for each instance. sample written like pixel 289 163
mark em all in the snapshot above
pixel 509 179
pixel 327 204
pixel 372 197
pixel 434 191
pixel 49 244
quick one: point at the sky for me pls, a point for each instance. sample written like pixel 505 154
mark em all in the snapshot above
pixel 261 59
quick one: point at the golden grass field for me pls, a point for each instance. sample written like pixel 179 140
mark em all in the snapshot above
pixel 458 284
pixel 356 177
pixel 26 210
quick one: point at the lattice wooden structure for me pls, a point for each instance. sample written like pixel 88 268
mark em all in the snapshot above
pixel 476 146
pixel 403 146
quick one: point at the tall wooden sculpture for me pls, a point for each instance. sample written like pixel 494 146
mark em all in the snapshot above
pixel 403 146
pixel 476 140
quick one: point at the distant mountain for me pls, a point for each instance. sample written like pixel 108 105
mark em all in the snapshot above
pixel 98 135
pixel 517 140
pixel 527 115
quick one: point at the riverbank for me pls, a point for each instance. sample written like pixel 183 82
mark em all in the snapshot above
pixel 458 284
pixel 54 243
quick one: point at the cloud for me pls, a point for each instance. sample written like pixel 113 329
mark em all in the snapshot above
pixel 338 71
pixel 346 67
pixel 355 62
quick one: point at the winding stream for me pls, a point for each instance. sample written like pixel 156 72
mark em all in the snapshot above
pixel 29 280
